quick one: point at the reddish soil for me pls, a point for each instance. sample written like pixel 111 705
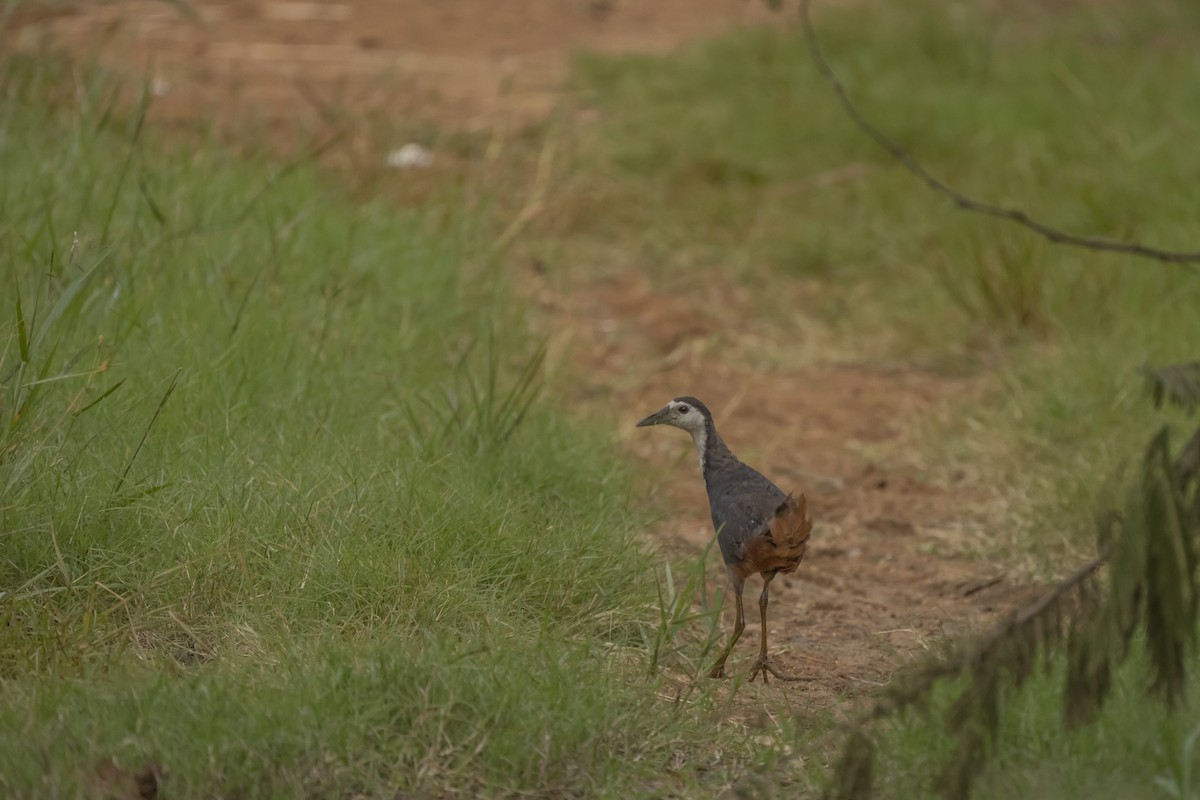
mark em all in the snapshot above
pixel 888 572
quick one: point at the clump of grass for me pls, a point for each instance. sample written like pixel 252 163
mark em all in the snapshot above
pixel 681 604
pixel 420 718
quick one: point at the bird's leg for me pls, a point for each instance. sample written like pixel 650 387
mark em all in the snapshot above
pixel 763 664
pixel 739 583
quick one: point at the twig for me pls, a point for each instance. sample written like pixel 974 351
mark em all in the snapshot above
pixel 979 587
pixel 909 162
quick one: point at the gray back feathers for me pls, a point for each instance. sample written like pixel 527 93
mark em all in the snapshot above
pixel 742 500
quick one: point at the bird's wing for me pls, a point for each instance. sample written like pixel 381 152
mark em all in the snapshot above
pixel 742 503
pixel 782 545
pixel 790 526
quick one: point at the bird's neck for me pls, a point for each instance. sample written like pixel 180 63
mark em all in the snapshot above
pixel 711 448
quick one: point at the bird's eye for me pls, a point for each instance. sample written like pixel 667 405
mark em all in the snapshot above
pixel 682 409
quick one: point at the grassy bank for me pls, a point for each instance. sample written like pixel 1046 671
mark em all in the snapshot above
pixel 282 510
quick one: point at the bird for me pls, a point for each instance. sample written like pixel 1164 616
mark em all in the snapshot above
pixel 760 529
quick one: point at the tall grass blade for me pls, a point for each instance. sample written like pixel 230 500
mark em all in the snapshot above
pixel 237 320
pixel 151 203
pixel 66 376
pixel 65 300
pixel 22 332
pixel 139 120
pixel 146 433
pixel 99 399
pixel 522 395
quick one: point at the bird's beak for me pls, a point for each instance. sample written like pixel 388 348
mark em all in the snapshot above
pixel 655 418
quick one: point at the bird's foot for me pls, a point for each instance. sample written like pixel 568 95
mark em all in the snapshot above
pixel 718 670
pixel 763 665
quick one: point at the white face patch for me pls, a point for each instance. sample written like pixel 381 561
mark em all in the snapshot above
pixel 687 417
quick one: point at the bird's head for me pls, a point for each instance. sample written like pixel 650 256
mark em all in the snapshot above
pixel 682 412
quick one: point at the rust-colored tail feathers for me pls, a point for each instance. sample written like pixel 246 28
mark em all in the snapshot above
pixel 789 530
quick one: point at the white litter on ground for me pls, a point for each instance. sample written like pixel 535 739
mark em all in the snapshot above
pixel 411 156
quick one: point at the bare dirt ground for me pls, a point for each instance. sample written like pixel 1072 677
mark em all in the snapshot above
pixel 455 62
pixel 888 572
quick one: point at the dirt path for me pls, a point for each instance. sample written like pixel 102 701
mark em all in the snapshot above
pixel 887 574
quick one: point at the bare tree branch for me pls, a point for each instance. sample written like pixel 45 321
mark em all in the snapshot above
pixel 909 162
pixel 916 688
pixel 1008 650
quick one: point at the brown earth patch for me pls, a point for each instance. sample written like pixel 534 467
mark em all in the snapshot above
pixel 289 63
pixel 890 569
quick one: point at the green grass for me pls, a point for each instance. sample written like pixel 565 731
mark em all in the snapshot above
pixel 282 509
